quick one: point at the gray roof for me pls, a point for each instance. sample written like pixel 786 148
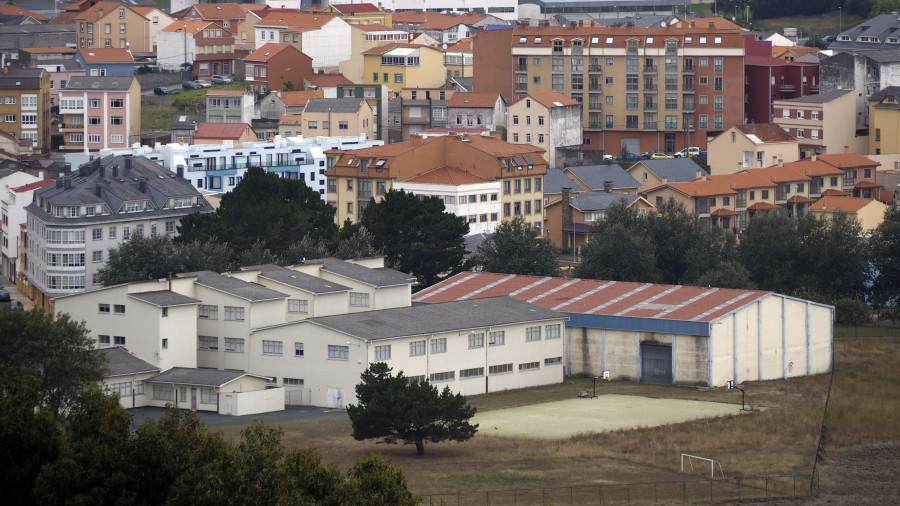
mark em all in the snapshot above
pixel 14 77
pixel 66 63
pixel 375 277
pixel 336 105
pixel 595 175
pixel 164 298
pixel 882 55
pixel 197 377
pixel 883 27
pixel 123 363
pixel 600 201
pixel 184 121
pixel 890 91
pixel 821 98
pixel 136 179
pixel 254 292
pixel 464 83
pixel 106 83
pixel 675 170
pixel 473 241
pixel 296 279
pixel 555 180
pixel 435 318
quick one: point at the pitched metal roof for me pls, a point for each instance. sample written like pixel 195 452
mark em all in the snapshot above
pixel 819 98
pixel 600 201
pixel 595 175
pixel 675 170
pixel 333 105
pixel 374 277
pixel 254 292
pixel 122 362
pixel 199 377
pixel 100 83
pixel 164 298
pixel 297 279
pixel 596 297
pixel 14 77
pixel 424 319
pixel 555 180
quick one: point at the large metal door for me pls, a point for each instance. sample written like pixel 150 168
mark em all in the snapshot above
pixel 632 144
pixel 656 363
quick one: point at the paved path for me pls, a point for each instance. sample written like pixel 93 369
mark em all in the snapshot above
pixel 16 294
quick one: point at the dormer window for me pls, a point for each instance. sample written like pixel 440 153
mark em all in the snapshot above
pixel 178 202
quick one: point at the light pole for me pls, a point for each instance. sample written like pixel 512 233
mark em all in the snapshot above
pixel 840 18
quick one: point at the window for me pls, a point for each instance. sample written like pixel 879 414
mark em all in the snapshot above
pixel 553 361
pixel 119 340
pixel 497 338
pixel 475 372
pixel 234 344
pixel 298 306
pixel 163 393
pixel 97 256
pixel 500 369
pixel 476 340
pixel 117 103
pixel 208 342
pixel 337 352
pixel 116 120
pixel 293 382
pixel 94 103
pixel 103 308
pixel 532 334
pixel 383 352
pixel 551 331
pixel 271 347
pixel 343 125
pixel 398 78
pixel 234 313
pixel 441 376
pixel 529 366
pixel 103 340
pixel 799 114
pixel 122 389
pixel 119 308
pixel 416 348
pixel 358 299
pixel 94 138
pixel 439 345
pixel 29 119
pixel 208 312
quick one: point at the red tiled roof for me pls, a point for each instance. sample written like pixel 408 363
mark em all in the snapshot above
pixel 328 80
pixel 290 119
pixel 208 130
pixel 596 297
pixel 845 204
pixel 223 10
pixel 43 50
pixel 448 176
pixel 12 10
pixel 847 160
pixel 551 99
pixel 100 9
pixel 300 97
pixel 187 26
pixel 800 199
pixel 866 184
pixel 831 192
pixel 724 212
pixel 295 19
pixel 32 186
pixel 616 37
pixel 63 18
pixel 762 206
pixel 766 132
pixel 268 51
pixel 106 55
pixel 474 99
pixel 719 22
pixel 355 8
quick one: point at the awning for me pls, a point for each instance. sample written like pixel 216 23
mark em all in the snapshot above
pixel 800 199
pixel 834 193
pixel 866 184
pixel 724 212
pixel 762 206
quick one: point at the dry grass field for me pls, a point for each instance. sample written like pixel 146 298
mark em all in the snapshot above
pixel 862 460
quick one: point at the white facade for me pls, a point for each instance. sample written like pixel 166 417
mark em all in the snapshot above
pixel 478 203
pixel 175 49
pixel 328 46
pixel 292 158
pixel 503 9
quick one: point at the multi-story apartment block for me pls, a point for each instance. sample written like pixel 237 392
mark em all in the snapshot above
pixel 446 27
pixel 423 108
pixel 364 37
pixel 459 59
pixel 277 67
pixel 226 15
pixel 221 167
pixel 356 176
pixel 338 116
pixel 884 122
pixel 822 123
pixel 113 24
pixel 75 222
pixel 229 106
pixel 642 88
pixel 769 78
pixel 157 21
pixel 12 208
pixel 550 121
pixel 25 108
pixel 200 43
pixel 326 39
pixel 399 66
pixel 477 110
pixel 60 70
pixel 99 113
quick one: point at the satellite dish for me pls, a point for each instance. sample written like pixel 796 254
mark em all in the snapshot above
pixel 662 24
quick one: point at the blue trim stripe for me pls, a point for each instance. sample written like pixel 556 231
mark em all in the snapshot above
pixel 638 324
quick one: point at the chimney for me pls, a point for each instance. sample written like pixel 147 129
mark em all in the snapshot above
pixel 580 23
pixel 179 170
pixel 98 190
pixel 102 171
pixel 115 169
pixel 607 186
pixel 67 183
pixel 59 182
pixel 142 186
pixel 813 158
pixel 128 162
pixel 566 215
pixel 699 174
pixel 781 162
pixel 665 180
pixel 846 149
pixel 712 25
pixel 67 168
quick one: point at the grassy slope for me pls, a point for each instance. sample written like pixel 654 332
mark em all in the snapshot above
pixel 779 440
pixel 158 116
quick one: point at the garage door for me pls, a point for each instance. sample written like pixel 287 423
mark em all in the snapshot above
pixel 656 363
pixel 633 145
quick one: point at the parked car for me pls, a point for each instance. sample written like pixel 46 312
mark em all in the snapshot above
pixel 221 80
pixel 16 305
pixel 191 85
pixel 4 296
pixel 660 155
pixel 631 157
pixel 608 158
pixel 164 90
pixel 690 152
pixel 203 83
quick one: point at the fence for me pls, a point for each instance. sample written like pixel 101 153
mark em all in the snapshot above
pixel 670 492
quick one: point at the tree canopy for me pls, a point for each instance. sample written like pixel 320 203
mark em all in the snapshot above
pixel 416 234
pixel 885 266
pixel 393 408
pixel 515 249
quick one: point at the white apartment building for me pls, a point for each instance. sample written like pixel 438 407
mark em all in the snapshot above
pixel 325 39
pixel 473 198
pixel 19 187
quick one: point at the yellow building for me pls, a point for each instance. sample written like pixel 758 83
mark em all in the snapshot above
pixel 884 122
pixel 25 105
pixel 337 117
pixel 360 14
pixel 400 66
pixel 114 24
pixel 869 212
pixel 460 59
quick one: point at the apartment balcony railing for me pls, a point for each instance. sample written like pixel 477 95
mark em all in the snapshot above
pixel 521 68
pixel 595 68
pixel 688 69
pixel 786 88
pixel 651 69
pixel 594 106
pixel 650 88
pixel 521 86
pixel 594 124
pixel 741 202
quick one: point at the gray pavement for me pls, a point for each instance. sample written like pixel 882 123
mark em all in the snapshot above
pixel 16 294
pixel 290 414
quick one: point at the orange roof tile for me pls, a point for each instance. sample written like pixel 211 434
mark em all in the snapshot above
pixel 106 55
pixel 464 45
pixel 766 132
pixel 762 206
pixel 448 176
pixel 208 130
pixel 224 92
pixel 845 204
pixel 473 100
pixel 143 10
pixel 268 51
pixel 223 10
pixel 814 168
pixel 290 119
pixel 616 37
pixel 848 160
pixel 831 192
pixel 42 50
pixel 181 26
pixel 800 199
pixel 719 23
pixel 64 17
pixel 300 97
pixel 295 19
pixel 12 10
pixel 328 80
pixel 552 99
pixel 100 9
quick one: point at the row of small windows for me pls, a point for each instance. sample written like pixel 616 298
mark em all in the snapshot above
pixel 577 44
pixel 478 372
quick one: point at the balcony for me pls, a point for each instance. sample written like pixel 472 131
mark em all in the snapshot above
pixel 651 107
pixel 688 107
pixel 521 86
pixel 815 189
pixel 595 68
pixel 688 69
pixel 813 88
pixel 594 87
pixel 521 68
pixel 594 106
pixel 741 202
pixel 651 88
pixel 787 88
pixel 688 89
pixel 594 125
pixel 781 195
pixel 702 206
pixel 71 128
pixel 651 69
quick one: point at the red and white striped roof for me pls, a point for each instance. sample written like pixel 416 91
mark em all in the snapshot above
pixel 596 297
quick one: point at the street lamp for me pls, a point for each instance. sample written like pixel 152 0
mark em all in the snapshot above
pixel 840 18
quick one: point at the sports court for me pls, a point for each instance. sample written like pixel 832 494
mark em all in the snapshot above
pixel 562 419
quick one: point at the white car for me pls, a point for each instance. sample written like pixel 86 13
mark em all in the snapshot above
pixel 221 80
pixel 691 152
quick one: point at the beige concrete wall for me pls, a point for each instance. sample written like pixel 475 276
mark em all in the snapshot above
pixel 131 401
pixel 393 296
pixel 690 359
pixel 180 330
pixel 260 401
